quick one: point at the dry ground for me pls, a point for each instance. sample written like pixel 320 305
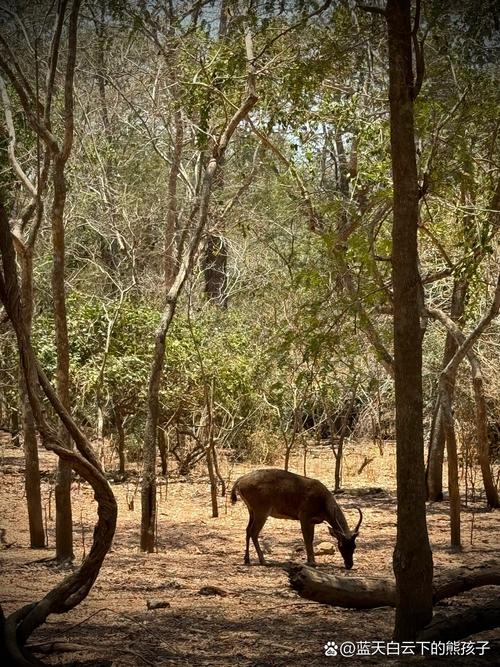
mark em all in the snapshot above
pixel 260 622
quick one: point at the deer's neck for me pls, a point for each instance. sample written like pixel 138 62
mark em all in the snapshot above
pixel 336 519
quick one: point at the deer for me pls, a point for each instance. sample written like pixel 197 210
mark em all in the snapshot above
pixel 285 495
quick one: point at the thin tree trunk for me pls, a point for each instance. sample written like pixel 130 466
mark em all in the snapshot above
pixel 452 451
pixel 64 524
pixel 482 434
pixel 162 446
pixel 412 556
pixel 14 427
pixel 288 451
pixel 60 153
pixel 435 453
pixel 32 470
pixel 32 473
pixel 434 472
pixel 343 432
pixel 338 462
pixel 148 488
pixel 173 268
pixel 198 218
pixel 121 442
pixel 215 251
pixel 213 482
pixel 172 240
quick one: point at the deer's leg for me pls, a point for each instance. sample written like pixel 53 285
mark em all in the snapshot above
pixel 258 524
pixel 308 534
pixel 249 533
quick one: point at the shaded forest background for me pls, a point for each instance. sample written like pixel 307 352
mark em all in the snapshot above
pixel 287 313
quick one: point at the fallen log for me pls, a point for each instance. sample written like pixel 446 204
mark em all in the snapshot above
pixel 358 592
pixel 464 623
pixel 369 592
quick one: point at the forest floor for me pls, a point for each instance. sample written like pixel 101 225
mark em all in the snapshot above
pixel 255 619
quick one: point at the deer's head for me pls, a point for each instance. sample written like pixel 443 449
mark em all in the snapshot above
pixel 347 542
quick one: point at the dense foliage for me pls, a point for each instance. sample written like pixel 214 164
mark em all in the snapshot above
pixel 302 205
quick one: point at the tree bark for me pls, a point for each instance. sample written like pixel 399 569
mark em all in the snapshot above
pixel 32 468
pixel 121 441
pixel 162 447
pixel 482 434
pixel 445 393
pixel 412 556
pixel 64 523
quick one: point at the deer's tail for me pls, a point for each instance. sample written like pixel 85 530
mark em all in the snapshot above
pixel 234 496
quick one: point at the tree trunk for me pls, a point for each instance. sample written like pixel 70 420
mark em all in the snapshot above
pixel 435 455
pixel 14 427
pixel 32 468
pixel 148 488
pixel 346 418
pixel 121 442
pixel 64 524
pixel 412 556
pixel 162 446
pixel 434 472
pixel 445 385
pixel 32 473
pixel 172 242
pixel 213 483
pixel 482 434
pixel 215 251
pixel 173 268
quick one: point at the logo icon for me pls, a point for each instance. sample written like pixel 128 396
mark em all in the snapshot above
pixel 331 648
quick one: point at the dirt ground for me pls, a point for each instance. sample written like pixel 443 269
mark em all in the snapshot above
pixel 257 620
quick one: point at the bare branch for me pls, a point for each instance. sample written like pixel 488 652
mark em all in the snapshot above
pixel 12 140
pixel 25 98
pixel 466 342
pixel 20 23
pixel 434 277
pixel 17 67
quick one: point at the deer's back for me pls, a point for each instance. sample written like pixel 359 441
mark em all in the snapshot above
pixel 282 494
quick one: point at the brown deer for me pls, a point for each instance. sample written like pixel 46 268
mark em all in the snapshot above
pixel 285 495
